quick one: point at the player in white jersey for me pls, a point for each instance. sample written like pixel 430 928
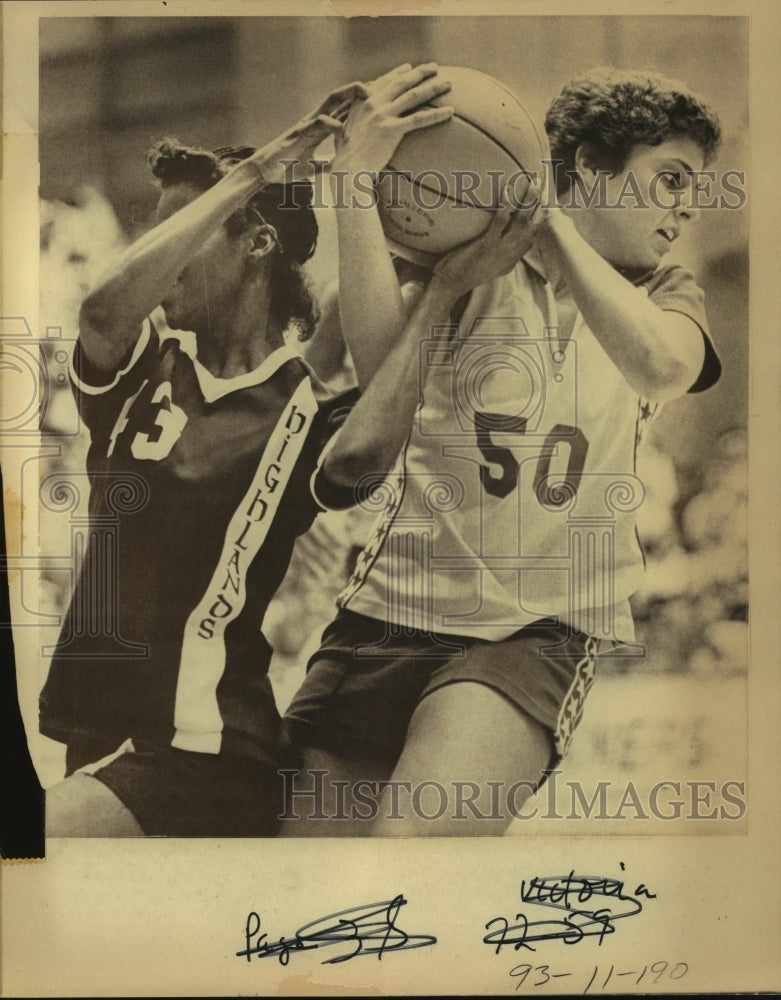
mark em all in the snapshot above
pixel 503 562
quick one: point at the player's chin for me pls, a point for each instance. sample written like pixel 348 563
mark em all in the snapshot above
pixel 174 314
pixel 660 247
pixel 648 261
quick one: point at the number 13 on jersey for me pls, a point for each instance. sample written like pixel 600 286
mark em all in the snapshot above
pixel 156 423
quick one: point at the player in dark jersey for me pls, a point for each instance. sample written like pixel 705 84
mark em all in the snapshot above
pixel 211 450
pixel 468 636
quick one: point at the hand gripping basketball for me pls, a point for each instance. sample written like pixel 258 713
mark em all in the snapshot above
pixel 443 184
pixel 508 237
pixel 390 109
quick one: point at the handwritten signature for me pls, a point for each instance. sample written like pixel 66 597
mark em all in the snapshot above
pixel 370 929
pixel 579 896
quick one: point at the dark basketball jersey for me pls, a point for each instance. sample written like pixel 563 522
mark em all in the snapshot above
pixel 199 488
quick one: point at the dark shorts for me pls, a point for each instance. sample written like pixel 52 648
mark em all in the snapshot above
pixel 177 793
pixel 365 681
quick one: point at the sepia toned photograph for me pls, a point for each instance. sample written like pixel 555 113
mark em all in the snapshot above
pixel 412 631
pixel 377 408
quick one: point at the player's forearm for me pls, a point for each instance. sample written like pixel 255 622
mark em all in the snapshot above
pixel 370 301
pixel 659 353
pixel 325 351
pixel 375 432
pixel 112 313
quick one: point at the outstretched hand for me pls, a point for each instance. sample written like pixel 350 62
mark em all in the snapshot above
pixel 392 106
pixel 273 160
pixel 509 235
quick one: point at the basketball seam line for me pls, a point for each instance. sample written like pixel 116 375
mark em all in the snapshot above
pixel 447 197
pixel 493 138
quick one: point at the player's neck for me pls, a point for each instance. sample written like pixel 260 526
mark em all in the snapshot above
pixel 245 335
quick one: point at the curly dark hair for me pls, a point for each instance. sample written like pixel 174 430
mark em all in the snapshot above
pixel 286 207
pixel 612 110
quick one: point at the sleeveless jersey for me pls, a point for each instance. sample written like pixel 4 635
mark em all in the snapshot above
pixel 198 489
pixel 515 497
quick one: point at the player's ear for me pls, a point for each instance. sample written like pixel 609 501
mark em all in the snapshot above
pixel 264 240
pixel 585 161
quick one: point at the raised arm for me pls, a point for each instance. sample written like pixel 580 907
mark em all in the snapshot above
pixel 371 306
pixel 112 313
pixel 375 432
pixel 660 353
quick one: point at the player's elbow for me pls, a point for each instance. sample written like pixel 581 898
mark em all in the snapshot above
pixel 104 339
pixel 665 380
pixel 95 320
pixel 359 467
pixel 95 309
pixel 672 361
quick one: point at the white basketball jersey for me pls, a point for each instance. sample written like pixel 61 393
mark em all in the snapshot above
pixel 515 497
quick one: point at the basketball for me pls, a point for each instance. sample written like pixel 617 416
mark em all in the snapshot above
pixel 443 182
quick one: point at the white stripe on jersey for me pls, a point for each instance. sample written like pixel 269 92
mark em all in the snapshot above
pixel 197 717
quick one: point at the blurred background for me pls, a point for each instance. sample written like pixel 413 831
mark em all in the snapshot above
pixel 110 87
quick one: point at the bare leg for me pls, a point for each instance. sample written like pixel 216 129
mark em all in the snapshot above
pixel 461 738
pixel 82 806
pixel 330 797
